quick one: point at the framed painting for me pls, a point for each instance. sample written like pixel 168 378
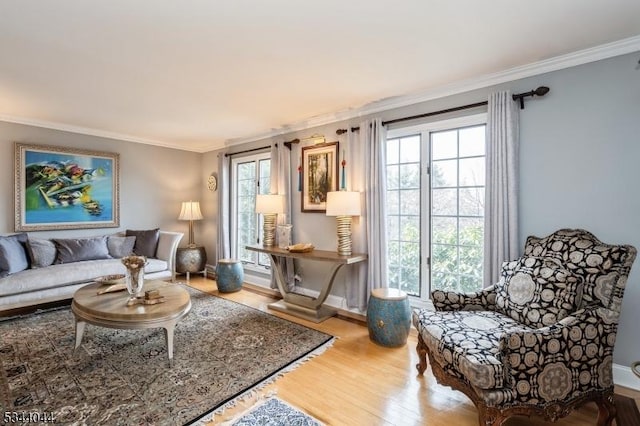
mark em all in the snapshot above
pixel 319 175
pixel 65 188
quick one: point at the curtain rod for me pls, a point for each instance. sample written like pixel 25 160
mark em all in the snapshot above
pixel 540 91
pixel 287 144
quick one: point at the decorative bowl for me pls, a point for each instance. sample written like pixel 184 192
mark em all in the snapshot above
pixel 110 279
pixel 301 248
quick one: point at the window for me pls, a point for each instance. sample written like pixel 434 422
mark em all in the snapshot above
pixel 250 176
pixel 435 206
pixel 403 213
pixel 457 208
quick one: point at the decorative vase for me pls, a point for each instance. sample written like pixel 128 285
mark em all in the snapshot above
pixel 134 276
pixel 284 235
pixel 389 317
pixel 230 275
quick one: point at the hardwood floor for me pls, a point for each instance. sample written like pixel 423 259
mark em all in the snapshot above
pixel 356 382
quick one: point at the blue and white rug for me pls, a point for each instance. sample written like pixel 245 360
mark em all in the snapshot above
pixel 275 412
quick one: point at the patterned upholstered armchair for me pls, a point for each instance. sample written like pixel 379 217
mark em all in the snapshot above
pixel 538 342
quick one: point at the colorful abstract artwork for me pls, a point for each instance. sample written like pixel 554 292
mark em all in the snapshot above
pixel 65 188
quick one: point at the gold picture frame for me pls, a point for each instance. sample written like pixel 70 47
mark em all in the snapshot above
pixel 65 188
pixel 319 175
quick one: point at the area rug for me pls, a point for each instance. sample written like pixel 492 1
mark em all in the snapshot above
pixel 273 412
pixel 222 351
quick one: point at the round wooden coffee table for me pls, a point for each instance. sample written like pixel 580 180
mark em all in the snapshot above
pixel 111 310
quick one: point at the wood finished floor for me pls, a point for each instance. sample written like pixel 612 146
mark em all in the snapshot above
pixel 357 382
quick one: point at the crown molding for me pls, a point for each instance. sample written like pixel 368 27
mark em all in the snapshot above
pixel 64 127
pixel 609 50
pixel 593 54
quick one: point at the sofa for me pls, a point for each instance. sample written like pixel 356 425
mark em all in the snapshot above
pixel 36 271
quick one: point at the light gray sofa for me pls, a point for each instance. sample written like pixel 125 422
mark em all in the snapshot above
pixel 59 281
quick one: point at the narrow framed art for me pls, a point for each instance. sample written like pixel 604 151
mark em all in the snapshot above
pixel 319 175
pixel 65 188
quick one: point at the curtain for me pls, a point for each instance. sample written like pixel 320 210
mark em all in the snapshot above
pixel 501 193
pixel 223 247
pixel 280 183
pixel 365 156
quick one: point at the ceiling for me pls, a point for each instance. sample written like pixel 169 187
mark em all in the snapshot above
pixel 196 74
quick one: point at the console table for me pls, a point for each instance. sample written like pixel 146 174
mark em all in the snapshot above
pixel 300 305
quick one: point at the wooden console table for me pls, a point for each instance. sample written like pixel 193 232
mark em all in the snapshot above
pixel 300 305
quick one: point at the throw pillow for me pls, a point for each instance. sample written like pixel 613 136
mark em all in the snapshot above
pixel 78 249
pixel 13 255
pixel 146 241
pixel 120 246
pixel 41 252
pixel 537 291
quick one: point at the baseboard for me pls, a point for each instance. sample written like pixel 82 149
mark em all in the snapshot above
pixel 623 376
pixel 263 285
pixel 336 302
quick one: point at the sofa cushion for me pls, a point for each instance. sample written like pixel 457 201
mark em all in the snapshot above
pixel 66 274
pixel 467 342
pixel 41 252
pixel 146 241
pixel 13 254
pixel 537 292
pixel 57 275
pixel 78 249
pixel 155 265
pixel 120 246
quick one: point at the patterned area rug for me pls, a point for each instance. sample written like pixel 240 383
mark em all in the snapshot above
pixel 222 350
pixel 275 412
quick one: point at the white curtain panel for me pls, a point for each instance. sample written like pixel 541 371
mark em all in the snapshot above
pixel 365 155
pixel 223 247
pixel 281 184
pixel 501 193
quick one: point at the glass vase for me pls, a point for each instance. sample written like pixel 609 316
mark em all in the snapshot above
pixel 134 276
pixel 284 235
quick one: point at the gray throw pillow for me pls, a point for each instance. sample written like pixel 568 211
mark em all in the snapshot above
pixel 13 254
pixel 42 252
pixel 78 249
pixel 120 246
pixel 146 241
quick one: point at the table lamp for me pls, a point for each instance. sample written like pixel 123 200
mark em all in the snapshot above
pixel 269 205
pixel 344 205
pixel 190 211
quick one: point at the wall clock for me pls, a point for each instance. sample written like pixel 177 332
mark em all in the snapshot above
pixel 212 183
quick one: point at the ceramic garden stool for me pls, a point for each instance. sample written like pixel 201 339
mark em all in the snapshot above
pixel 389 317
pixel 229 275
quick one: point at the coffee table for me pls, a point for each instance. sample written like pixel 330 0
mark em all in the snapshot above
pixel 111 310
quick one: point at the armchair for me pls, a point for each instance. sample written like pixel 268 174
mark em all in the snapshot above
pixel 538 342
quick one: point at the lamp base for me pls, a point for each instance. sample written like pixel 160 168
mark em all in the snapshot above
pixel 269 230
pixel 344 235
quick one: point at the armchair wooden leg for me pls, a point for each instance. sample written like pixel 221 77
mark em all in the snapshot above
pixel 489 416
pixel 606 409
pixel 421 348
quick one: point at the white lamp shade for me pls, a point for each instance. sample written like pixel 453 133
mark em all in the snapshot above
pixel 190 211
pixel 343 203
pixel 269 203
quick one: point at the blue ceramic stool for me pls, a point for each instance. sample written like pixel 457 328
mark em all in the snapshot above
pixel 229 275
pixel 388 317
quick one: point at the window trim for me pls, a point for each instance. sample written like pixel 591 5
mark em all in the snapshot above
pixel 235 161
